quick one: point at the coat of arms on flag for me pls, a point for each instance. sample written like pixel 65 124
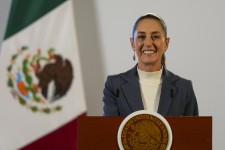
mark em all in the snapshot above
pixel 37 80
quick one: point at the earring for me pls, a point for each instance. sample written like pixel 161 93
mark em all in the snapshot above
pixel 134 58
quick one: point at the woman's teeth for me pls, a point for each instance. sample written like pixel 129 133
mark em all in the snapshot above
pixel 149 51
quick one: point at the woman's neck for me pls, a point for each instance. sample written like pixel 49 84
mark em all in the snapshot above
pixel 150 67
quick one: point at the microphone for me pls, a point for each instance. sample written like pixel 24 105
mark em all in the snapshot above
pixel 171 93
pixel 171 96
pixel 117 92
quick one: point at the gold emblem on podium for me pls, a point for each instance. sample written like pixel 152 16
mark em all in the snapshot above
pixel 144 130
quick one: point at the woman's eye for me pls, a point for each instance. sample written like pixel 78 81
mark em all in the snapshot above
pixel 141 37
pixel 154 37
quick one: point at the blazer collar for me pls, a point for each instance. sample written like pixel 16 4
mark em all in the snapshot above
pixel 132 90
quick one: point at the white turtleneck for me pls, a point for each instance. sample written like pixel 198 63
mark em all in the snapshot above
pixel 150 83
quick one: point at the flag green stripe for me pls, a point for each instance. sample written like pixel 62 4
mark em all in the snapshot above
pixel 25 12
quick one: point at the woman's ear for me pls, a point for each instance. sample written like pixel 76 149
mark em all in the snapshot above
pixel 132 43
pixel 167 41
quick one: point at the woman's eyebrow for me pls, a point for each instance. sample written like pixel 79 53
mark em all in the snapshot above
pixel 140 32
pixel 155 32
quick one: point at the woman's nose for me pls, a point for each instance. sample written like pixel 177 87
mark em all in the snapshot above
pixel 148 41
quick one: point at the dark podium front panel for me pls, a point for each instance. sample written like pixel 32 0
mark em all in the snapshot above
pixel 189 133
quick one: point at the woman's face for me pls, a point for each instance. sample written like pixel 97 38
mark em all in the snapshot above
pixel 150 43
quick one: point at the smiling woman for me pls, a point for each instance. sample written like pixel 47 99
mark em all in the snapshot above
pixel 149 85
pixel 150 44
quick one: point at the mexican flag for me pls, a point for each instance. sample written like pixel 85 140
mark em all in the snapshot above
pixel 40 77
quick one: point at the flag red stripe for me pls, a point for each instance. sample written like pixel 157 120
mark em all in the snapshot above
pixel 63 138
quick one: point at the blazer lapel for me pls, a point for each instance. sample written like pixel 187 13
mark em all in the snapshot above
pixel 168 92
pixel 132 90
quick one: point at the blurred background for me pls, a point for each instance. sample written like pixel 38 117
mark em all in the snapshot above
pixel 196 52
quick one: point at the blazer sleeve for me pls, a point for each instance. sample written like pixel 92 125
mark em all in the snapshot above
pixel 191 108
pixel 110 107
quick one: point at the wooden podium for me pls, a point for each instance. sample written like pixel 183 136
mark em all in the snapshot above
pixel 189 133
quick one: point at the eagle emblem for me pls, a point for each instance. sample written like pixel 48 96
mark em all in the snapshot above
pixel 38 80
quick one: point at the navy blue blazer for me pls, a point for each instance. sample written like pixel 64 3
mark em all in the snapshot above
pixel 122 95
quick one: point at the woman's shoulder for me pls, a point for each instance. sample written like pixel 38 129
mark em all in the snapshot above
pixel 117 76
pixel 177 78
pixel 128 73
